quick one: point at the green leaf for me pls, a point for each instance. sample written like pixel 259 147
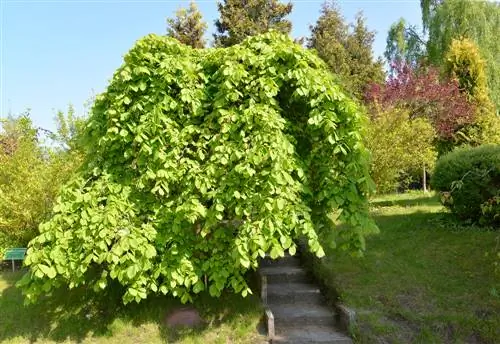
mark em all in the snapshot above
pixel 198 287
pixel 214 292
pixel 131 271
pixel 132 292
pixel 281 203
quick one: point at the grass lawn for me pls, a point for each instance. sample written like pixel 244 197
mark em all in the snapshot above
pixel 424 278
pixel 73 317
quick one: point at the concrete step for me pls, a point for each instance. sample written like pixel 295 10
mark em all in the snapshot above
pixel 284 274
pixel 287 260
pixel 299 315
pixel 283 293
pixel 310 334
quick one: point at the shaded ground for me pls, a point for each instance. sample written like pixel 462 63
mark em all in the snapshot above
pixel 424 279
pixel 77 317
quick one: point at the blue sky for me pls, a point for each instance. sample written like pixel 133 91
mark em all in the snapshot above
pixel 57 52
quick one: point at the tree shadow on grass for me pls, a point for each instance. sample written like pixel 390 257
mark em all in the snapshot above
pixel 407 202
pixel 78 314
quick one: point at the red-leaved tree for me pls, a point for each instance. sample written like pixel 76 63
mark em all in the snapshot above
pixel 424 93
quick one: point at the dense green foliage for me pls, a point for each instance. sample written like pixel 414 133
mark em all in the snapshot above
pixel 464 64
pixel 188 26
pixel 476 20
pixel 404 45
pixel 346 49
pixel 200 162
pixel 241 19
pixel 469 178
pixel 399 146
pixel 31 174
pixel 491 212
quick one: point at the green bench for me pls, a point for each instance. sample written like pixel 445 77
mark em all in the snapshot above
pixel 14 254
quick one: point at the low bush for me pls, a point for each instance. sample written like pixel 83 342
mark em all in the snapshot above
pixel 469 179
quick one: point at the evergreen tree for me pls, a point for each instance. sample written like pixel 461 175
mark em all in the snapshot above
pixel 464 63
pixel 347 49
pixel 240 19
pixel 188 26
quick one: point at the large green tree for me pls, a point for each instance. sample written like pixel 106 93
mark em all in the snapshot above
pixel 188 26
pixel 405 45
pixel 476 20
pixel 346 49
pixel 240 19
pixel 198 163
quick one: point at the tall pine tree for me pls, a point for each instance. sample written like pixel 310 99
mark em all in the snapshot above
pixel 347 49
pixel 242 18
pixel 188 26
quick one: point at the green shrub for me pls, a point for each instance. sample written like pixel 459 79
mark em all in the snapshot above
pixel 198 163
pixel 491 210
pixel 468 179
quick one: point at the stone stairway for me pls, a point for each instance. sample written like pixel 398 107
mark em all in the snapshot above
pixel 295 309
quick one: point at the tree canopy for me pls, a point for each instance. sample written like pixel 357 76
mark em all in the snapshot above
pixel 478 21
pixel 464 64
pixel 198 163
pixel 241 19
pixel 404 45
pixel 188 26
pixel 347 49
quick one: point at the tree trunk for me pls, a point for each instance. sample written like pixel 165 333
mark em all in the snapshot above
pixel 424 179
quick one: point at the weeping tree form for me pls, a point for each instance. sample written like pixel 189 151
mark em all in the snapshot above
pixel 200 162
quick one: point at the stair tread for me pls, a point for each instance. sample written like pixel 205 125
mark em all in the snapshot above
pixel 310 334
pixel 278 270
pixel 288 288
pixel 290 311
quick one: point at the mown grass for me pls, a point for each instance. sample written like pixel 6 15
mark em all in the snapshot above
pixel 424 279
pixel 77 316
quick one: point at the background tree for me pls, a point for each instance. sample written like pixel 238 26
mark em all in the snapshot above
pixel 477 20
pixel 428 8
pixel 188 26
pixel 464 64
pixel 31 172
pixel 240 19
pixel 399 146
pixel 405 45
pixel 347 49
pixel 423 93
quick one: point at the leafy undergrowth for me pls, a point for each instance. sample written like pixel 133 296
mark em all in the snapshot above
pixel 77 317
pixel 424 279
